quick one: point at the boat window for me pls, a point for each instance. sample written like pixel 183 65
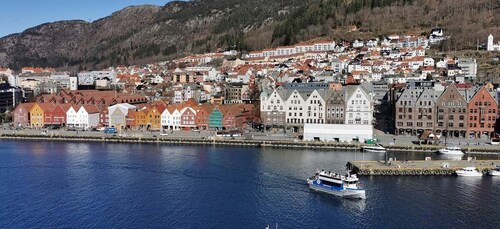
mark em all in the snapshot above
pixel 330 183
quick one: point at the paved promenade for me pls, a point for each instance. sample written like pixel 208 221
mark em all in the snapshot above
pixel 385 139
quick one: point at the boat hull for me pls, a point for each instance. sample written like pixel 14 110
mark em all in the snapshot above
pixel 346 193
pixel 461 174
pixel 373 150
pixel 450 152
pixel 494 173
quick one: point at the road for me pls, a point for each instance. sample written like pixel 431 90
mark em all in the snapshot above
pixel 385 139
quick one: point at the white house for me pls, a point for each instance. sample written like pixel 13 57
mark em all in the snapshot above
pixel 315 108
pixel 89 116
pixel 71 116
pixel 85 117
pixel 357 44
pixel 359 108
pixel 428 61
pixel 171 118
pixel 441 64
pixel 273 107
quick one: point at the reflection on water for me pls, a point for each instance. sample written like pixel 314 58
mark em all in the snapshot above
pixel 450 157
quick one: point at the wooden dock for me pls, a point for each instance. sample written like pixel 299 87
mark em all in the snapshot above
pixel 417 168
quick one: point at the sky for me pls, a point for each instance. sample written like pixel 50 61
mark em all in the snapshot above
pixel 18 15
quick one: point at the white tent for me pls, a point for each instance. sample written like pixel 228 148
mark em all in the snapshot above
pixel 337 132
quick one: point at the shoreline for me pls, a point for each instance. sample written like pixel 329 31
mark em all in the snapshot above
pixel 243 143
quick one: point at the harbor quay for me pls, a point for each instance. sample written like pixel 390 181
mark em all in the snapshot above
pixel 207 138
pixel 418 167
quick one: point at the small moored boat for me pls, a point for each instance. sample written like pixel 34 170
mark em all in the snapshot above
pixel 453 150
pixel 340 185
pixel 374 149
pixel 468 172
pixel 495 171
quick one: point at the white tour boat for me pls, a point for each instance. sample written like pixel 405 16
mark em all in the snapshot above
pixel 469 172
pixel 495 171
pixel 374 149
pixel 451 150
pixel 340 185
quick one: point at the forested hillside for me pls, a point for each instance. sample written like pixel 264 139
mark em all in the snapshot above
pixel 143 34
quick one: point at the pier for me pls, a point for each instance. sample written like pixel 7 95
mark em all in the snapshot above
pixel 417 168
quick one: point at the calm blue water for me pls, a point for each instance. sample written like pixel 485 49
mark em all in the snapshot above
pixel 98 185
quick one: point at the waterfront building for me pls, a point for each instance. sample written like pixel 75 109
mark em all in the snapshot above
pixel 414 109
pixel 140 119
pixel 203 116
pixel 188 117
pixel 21 115
pixel 131 119
pixel 60 114
pixel 171 118
pixel 335 108
pixel 117 115
pixel 39 113
pixel 272 108
pixel 359 106
pixel 315 107
pixel 83 117
pixel 482 113
pixel 405 112
pixel 153 116
pixel 215 119
pixel 451 112
pixel 228 117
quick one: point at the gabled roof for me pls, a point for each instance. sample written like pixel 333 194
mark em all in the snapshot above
pixel 91 109
pixel 47 106
pixel 25 106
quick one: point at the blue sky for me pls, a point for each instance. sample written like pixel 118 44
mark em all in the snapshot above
pixel 18 15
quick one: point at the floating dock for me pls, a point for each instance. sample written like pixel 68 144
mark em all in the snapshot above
pixel 417 168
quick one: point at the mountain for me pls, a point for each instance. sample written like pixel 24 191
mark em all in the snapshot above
pixel 142 34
